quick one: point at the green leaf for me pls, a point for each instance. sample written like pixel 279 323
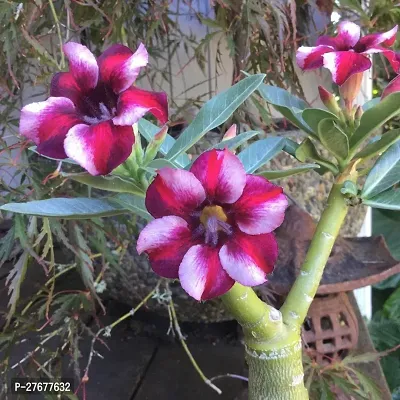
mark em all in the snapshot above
pixel 371 103
pixel 133 204
pixel 384 174
pixel 291 107
pixel 333 138
pixel 349 188
pixel 237 141
pixel 375 117
pixel 389 283
pixel 313 116
pixel 290 147
pixel 386 223
pixel 283 173
pixel 6 245
pixel 14 280
pixel 112 183
pixel 78 208
pixel 260 152
pixel 85 265
pixel 149 130
pixel 264 114
pixel 160 163
pixel 392 305
pixel 379 146
pixel 361 358
pixel 307 151
pixel 212 23
pixel 214 113
pixel 368 385
pixel 389 200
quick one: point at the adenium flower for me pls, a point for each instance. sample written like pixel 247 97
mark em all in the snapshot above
pixel 92 107
pixel 347 53
pixel 213 225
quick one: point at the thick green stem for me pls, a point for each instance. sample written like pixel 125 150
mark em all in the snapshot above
pixel 298 301
pixel 272 338
pixel 277 374
pixel 260 321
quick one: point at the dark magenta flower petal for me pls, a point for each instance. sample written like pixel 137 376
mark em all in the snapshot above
pixel 386 38
pixel 47 124
pixel 343 64
pixel 99 148
pixel 222 175
pixel 261 208
pixel 248 259
pixel 134 103
pixel 63 84
pixel 165 240
pixel 82 65
pixel 174 192
pixel 311 57
pixel 392 56
pixel 119 66
pixel 201 274
pixel 392 87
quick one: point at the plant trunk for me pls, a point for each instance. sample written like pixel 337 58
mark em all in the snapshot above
pixel 276 374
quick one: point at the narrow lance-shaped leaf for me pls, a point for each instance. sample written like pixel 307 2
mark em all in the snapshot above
pixel 235 142
pixel 333 138
pixel 111 183
pixel 133 204
pixel 384 174
pixel 78 208
pixel 375 117
pixel 214 113
pixel 379 146
pixel 283 173
pixel 260 152
pixel 291 107
pixel 6 245
pixel 389 200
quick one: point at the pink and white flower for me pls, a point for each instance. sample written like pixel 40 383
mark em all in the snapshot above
pixel 92 108
pixel 347 53
pixel 213 225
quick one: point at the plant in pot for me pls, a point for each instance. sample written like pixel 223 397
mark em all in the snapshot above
pixel 211 220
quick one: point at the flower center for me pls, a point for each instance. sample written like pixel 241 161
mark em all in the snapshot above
pixel 212 211
pixel 102 114
pixel 214 220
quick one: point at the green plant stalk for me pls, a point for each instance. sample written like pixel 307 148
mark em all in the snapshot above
pixel 273 352
pixel 277 373
pixel 298 301
pixel 260 321
pixel 272 337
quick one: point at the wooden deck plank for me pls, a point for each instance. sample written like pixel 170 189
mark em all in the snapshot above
pixel 116 376
pixel 171 376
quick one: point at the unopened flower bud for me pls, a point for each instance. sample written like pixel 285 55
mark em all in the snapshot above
pixel 329 100
pixel 359 112
pixel 230 133
pixel 350 89
pixel 155 144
